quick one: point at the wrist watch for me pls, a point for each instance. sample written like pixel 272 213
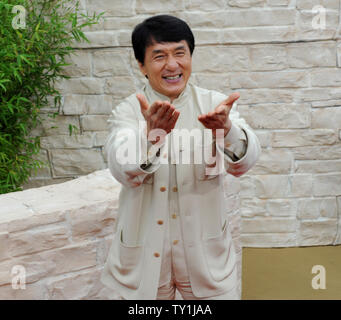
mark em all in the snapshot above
pixel 147 164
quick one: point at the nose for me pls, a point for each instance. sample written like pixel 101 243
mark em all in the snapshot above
pixel 171 63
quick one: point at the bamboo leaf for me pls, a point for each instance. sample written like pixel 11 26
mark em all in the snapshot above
pixel 32 59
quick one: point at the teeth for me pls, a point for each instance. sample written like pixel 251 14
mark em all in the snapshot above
pixel 172 78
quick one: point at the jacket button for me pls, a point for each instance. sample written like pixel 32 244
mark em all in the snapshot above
pixel 156 254
pixel 175 241
pixel 160 222
pixel 163 189
pixel 175 189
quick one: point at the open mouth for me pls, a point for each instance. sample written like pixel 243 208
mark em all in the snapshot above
pixel 173 79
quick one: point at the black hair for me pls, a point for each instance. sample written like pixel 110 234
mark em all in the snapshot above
pixel 161 28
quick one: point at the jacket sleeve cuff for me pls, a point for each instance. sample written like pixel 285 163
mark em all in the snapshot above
pixel 252 153
pixel 151 162
pixel 235 144
pixel 233 136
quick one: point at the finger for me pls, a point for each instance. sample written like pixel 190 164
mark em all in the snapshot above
pixel 154 107
pixel 221 109
pixel 169 112
pixel 174 118
pixel 204 122
pixel 231 99
pixel 212 123
pixel 163 109
pixel 143 102
pixel 131 175
pixel 203 118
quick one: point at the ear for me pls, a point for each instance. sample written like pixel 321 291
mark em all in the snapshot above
pixel 142 68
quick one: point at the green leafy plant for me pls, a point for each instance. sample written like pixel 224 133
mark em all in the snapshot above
pixel 32 58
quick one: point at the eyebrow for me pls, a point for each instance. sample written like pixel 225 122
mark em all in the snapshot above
pixel 182 47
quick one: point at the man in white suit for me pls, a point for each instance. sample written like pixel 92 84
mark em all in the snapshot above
pixel 172 230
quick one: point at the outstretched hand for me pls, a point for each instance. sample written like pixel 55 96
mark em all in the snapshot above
pixel 219 118
pixel 160 115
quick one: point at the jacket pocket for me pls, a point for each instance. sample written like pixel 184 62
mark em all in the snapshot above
pixel 126 262
pixel 220 254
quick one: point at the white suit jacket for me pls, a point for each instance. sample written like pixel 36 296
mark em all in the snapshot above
pixel 134 259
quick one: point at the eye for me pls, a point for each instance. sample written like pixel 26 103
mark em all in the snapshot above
pixel 180 53
pixel 159 57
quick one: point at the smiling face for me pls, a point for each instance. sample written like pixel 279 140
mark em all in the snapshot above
pixel 168 66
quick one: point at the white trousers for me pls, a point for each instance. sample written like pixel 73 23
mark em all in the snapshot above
pixel 168 292
pixel 174 272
